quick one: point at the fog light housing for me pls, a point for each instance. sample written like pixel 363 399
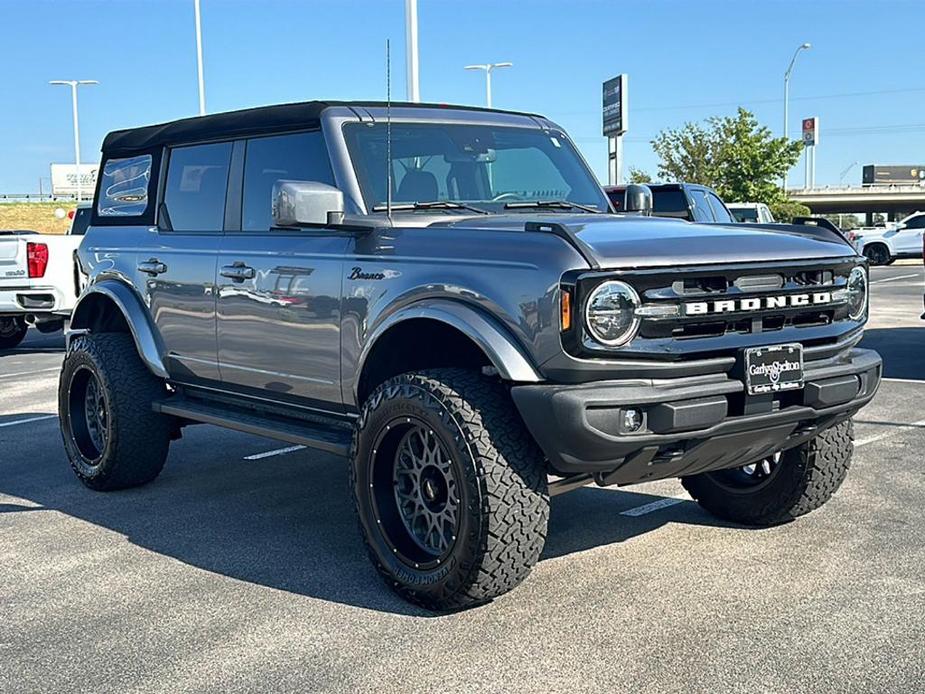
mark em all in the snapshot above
pixel 631 420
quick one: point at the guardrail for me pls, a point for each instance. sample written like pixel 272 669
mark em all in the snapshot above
pixel 37 197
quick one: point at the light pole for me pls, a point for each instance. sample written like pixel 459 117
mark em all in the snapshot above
pixel 202 88
pixel 488 68
pixel 411 51
pixel 73 84
pixel 802 47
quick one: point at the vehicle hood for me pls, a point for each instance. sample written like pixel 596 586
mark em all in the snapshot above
pixel 611 241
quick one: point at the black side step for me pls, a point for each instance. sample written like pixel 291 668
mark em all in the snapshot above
pixel 326 437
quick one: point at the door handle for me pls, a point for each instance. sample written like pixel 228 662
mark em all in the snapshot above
pixel 152 267
pixel 238 272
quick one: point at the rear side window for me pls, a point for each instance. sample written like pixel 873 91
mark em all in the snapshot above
pixel 296 157
pixel 197 180
pixel 719 209
pixel 81 221
pixel 701 207
pixel 124 187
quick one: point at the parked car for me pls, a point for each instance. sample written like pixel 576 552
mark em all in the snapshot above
pixel 462 321
pixel 690 201
pixel 39 280
pixel 751 212
pixel 884 245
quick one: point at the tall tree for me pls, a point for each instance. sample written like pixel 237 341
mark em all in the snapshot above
pixel 735 155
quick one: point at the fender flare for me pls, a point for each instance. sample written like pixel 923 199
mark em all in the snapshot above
pixel 147 342
pixel 498 345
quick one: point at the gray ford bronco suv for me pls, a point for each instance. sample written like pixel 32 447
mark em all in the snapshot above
pixel 443 296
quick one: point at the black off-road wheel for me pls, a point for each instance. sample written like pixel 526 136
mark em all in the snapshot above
pixel 780 488
pixel 13 330
pixel 449 487
pixel 113 438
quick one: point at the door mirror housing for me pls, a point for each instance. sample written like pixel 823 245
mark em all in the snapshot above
pixel 306 203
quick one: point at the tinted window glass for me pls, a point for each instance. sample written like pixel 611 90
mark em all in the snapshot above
pixel 719 210
pixel 617 199
pixel 81 221
pixel 701 207
pixel 296 157
pixel 916 222
pixel 197 178
pixel 745 214
pixel 670 201
pixel 124 187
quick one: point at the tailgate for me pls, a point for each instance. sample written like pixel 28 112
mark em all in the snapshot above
pixel 13 262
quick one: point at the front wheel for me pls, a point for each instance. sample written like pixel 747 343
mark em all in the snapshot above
pixel 449 487
pixel 878 254
pixel 13 330
pixel 780 488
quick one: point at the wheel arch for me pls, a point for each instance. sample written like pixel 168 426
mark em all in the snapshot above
pixel 484 341
pixel 112 306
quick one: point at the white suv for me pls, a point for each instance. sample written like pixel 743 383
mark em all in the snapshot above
pixel 883 245
pixel 751 212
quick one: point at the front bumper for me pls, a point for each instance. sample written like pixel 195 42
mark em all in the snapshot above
pixel 690 425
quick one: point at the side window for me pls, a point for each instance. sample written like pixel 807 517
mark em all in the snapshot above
pixel 719 210
pixel 296 157
pixel 916 222
pixel 124 187
pixel 701 207
pixel 197 179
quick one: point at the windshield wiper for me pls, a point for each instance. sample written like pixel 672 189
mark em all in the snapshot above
pixel 433 205
pixel 550 205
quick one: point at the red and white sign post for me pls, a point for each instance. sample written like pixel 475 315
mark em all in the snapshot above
pixel 810 140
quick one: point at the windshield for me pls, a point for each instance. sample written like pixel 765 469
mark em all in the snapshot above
pixel 485 166
pixel 744 214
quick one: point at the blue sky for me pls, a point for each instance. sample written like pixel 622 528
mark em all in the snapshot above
pixel 863 77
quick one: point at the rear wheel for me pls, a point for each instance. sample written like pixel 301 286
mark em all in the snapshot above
pixel 12 331
pixel 877 254
pixel 779 488
pixel 449 487
pixel 112 436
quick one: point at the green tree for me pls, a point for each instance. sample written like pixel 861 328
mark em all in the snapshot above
pixel 734 155
pixel 639 176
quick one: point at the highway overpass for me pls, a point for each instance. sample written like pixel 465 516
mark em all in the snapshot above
pixel 895 201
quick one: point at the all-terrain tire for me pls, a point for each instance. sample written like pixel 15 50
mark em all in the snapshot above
pixel 503 499
pixel 805 478
pixel 13 330
pixel 133 449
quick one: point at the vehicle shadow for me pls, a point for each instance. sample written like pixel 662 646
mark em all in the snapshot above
pixel 284 522
pixel 901 349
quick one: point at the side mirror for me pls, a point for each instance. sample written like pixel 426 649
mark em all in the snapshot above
pixel 899 227
pixel 638 199
pixel 306 203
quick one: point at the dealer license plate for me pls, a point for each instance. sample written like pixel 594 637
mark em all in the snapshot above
pixel 773 369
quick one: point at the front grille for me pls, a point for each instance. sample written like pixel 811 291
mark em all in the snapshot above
pixel 761 298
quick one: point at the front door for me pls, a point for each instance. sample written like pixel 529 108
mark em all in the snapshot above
pixel 177 266
pixel 908 240
pixel 279 291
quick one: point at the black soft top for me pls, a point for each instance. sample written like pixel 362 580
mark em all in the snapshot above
pixel 251 121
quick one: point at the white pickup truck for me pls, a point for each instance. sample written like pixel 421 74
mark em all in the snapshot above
pixel 39 279
pixel 883 245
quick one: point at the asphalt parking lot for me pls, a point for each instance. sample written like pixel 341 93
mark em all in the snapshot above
pixel 241 569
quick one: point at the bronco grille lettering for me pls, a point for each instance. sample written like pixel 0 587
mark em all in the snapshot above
pixel 706 308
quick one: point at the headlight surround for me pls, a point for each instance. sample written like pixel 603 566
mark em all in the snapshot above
pixel 610 313
pixel 857 293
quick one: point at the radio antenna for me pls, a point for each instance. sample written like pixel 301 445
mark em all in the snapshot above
pixel 388 130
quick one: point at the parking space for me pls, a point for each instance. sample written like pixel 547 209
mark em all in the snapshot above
pixel 241 569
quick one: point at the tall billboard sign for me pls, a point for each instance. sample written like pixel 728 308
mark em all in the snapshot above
pixel 615 111
pixel 64 179
pixel 810 131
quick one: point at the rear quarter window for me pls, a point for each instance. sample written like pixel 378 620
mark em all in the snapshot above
pixel 124 185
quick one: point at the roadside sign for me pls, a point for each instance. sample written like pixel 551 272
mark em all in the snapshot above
pixel 616 115
pixel 810 131
pixel 64 178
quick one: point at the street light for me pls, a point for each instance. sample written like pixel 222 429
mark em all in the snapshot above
pixel 488 67
pixel 73 84
pixel 841 176
pixel 802 47
pixel 202 88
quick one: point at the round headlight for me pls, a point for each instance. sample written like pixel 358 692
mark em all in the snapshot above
pixel 610 313
pixel 857 293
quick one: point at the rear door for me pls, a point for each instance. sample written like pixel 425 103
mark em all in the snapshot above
pixel 279 290
pixel 177 264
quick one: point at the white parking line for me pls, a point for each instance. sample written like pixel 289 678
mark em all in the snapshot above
pixel 904 380
pixel 655 506
pixel 893 279
pixel 28 420
pixel 30 373
pixel 270 454
pixel 887 434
